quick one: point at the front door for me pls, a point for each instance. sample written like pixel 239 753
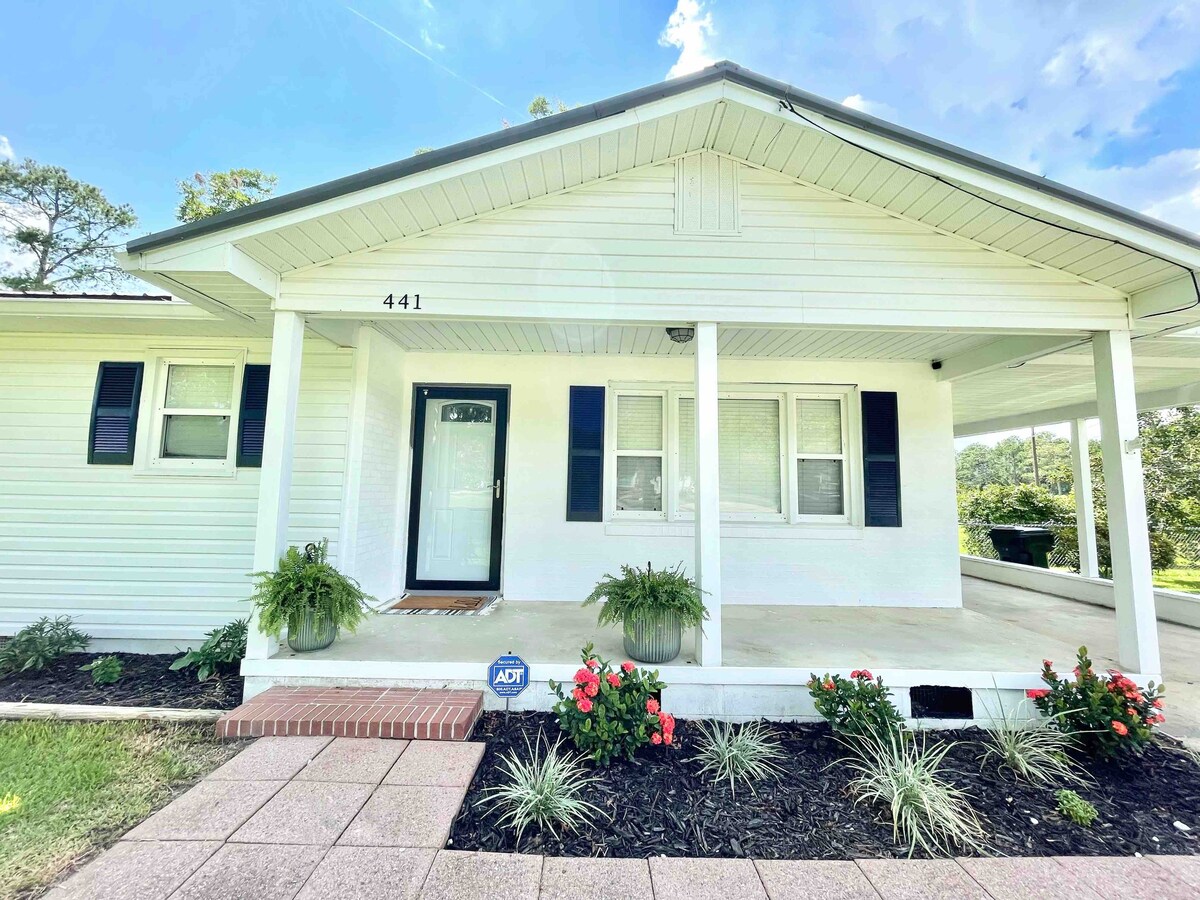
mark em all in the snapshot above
pixel 456 511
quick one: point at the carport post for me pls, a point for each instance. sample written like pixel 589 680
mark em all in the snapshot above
pixel 1085 510
pixel 1125 493
pixel 275 478
pixel 708 501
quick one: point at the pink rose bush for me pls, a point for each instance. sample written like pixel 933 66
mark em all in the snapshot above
pixel 609 712
pixel 1106 714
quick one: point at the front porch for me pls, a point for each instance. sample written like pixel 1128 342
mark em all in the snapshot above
pixel 994 644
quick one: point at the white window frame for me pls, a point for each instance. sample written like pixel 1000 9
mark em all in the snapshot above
pixel 849 473
pixel 149 447
pixel 610 461
pixel 786 395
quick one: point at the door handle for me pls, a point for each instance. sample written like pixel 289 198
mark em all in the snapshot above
pixel 496 487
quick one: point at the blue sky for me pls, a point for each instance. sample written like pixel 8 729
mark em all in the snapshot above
pixel 135 96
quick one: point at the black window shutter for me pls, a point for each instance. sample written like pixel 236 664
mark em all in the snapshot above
pixel 881 459
pixel 252 421
pixel 114 413
pixel 585 455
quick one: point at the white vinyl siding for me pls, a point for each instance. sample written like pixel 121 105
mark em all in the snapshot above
pixel 609 249
pixel 134 556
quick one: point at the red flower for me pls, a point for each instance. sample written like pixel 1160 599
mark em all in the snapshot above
pixel 614 679
pixel 592 664
pixel 578 693
pixel 656 738
pixel 591 689
pixel 651 706
pixel 1157 704
pixel 1037 693
pixel 668 737
pixel 829 685
pixel 866 674
pixel 582 676
pixel 1119 728
pixel 627 666
pixel 1131 712
pixel 855 673
pixel 1046 664
pixel 584 705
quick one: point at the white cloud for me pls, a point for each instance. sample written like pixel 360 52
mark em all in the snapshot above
pixel 690 31
pixel 1053 88
pixel 429 42
pixel 6 149
pixel 870 107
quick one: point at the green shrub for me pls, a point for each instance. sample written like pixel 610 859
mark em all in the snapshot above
pixel 222 647
pixel 1075 808
pixel 608 713
pixel 856 707
pixel 305 582
pixel 543 790
pixel 1106 715
pixel 639 593
pixel 1037 753
pixel 746 754
pixel 105 670
pixel 36 646
pixel 926 811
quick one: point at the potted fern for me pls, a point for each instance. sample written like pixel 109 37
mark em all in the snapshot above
pixel 310 597
pixel 653 609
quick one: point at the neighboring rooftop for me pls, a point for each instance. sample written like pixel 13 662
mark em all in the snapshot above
pixel 69 295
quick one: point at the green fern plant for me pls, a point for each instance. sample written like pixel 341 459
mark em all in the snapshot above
pixel 1075 808
pixel 304 582
pixel 647 593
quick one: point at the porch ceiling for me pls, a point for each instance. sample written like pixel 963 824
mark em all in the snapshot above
pixel 1062 386
pixel 631 340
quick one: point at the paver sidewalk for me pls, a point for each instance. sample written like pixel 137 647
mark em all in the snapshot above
pixel 323 818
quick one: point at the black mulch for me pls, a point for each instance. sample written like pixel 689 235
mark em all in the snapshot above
pixel 658 804
pixel 147 680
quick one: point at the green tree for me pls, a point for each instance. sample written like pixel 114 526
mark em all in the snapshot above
pixel 540 107
pixel 205 195
pixel 65 230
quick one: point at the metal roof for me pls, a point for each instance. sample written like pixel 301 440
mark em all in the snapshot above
pixel 722 71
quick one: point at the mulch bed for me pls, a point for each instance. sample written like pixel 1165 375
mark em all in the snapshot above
pixel 658 804
pixel 147 680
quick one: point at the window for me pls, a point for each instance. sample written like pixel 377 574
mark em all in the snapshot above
pixel 195 404
pixel 784 454
pixel 639 452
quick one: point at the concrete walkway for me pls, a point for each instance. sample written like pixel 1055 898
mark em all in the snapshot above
pixel 320 818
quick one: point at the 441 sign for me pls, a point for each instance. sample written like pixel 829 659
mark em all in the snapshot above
pixel 391 301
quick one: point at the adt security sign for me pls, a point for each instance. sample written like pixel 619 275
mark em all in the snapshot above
pixel 508 676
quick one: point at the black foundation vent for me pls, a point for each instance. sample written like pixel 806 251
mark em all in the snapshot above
pixel 931 701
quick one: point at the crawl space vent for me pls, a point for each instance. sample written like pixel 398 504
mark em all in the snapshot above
pixel 931 701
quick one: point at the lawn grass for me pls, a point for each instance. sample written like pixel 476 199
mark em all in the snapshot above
pixel 1187 580
pixel 67 789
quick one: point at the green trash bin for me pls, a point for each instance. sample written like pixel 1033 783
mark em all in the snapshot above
pixel 1029 545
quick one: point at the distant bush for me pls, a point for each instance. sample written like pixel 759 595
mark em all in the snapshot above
pixel 223 647
pixel 36 646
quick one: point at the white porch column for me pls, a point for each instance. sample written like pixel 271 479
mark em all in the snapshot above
pixel 1085 511
pixel 1124 489
pixel 275 480
pixel 708 501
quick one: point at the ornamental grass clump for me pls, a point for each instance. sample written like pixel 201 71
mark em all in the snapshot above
pixel 1106 715
pixel 609 712
pixel 542 790
pixel 746 754
pixel 304 583
pixel 856 707
pixel 892 769
pixel 1036 753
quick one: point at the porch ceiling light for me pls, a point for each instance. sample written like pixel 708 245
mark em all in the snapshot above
pixel 681 335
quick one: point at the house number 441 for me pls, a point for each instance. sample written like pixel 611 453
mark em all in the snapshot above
pixel 391 302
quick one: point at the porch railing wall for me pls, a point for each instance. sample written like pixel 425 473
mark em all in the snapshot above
pixel 974 539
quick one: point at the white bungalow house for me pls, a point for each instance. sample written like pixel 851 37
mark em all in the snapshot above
pixel 716 321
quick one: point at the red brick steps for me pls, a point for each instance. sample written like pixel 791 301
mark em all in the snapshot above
pixel 402 713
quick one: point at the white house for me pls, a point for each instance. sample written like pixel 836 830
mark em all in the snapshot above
pixel 716 321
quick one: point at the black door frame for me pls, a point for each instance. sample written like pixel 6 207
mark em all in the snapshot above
pixel 423 392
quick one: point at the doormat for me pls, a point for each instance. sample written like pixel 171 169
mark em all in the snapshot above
pixel 461 605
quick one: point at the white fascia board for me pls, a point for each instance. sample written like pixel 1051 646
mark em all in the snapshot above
pixel 1002 353
pixel 1184 395
pixel 101 309
pixel 1158 245
pixel 195 297
pixel 669 106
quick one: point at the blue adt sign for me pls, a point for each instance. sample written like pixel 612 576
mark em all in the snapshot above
pixel 508 676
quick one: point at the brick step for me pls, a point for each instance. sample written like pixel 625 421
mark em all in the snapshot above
pixel 402 713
